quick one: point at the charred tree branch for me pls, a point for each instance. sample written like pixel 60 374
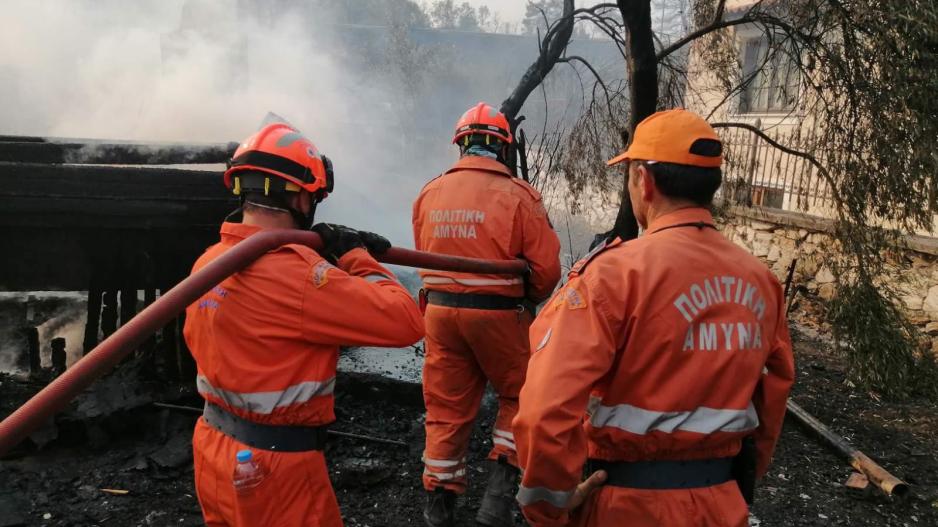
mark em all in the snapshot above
pixel 551 49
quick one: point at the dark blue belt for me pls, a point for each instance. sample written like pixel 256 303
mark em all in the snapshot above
pixel 662 475
pixel 472 300
pixel 265 437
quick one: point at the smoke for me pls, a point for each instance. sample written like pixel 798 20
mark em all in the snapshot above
pixel 380 101
pixel 209 71
pixel 53 313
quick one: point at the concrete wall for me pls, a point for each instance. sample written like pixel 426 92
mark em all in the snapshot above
pixel 778 237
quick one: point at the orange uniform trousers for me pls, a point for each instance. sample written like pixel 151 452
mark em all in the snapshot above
pixel 296 491
pixel 716 506
pixel 465 349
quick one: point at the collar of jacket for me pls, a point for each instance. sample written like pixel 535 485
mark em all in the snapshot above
pixel 236 232
pixel 480 163
pixel 689 215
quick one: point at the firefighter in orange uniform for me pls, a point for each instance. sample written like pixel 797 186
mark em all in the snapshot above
pixel 477 326
pixel 267 339
pixel 656 359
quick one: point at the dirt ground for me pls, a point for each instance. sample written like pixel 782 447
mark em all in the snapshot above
pixel 146 453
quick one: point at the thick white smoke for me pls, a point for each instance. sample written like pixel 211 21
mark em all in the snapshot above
pixel 210 70
pixel 379 101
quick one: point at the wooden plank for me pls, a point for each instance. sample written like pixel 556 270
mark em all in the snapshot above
pixel 37 150
pixel 69 197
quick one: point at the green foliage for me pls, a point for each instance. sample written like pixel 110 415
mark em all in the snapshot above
pixel 462 16
pixel 405 13
pixel 872 67
pixel 871 71
pixel 885 352
pixel 869 74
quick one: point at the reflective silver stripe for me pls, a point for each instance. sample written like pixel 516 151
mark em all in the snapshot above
pixel 557 498
pixel 503 433
pixel 702 420
pixel 471 281
pixel 446 476
pixel 544 340
pixel 593 404
pixel 504 442
pixel 376 278
pixel 267 402
pixel 443 463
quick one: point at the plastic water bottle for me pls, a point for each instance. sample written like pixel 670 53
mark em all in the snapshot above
pixel 248 473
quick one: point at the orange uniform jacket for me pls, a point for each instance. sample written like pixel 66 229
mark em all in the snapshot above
pixel 477 209
pixel 266 340
pixel 671 346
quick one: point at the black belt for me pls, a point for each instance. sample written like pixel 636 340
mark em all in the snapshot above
pixel 661 474
pixel 265 437
pixel 472 300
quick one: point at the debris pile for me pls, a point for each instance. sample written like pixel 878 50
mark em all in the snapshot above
pixel 80 478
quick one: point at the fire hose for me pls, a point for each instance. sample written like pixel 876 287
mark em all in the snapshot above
pixel 57 394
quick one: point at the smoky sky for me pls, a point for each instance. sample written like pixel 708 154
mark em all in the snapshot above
pixel 381 103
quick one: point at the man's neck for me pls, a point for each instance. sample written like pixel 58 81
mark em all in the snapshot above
pixel 268 220
pixel 663 207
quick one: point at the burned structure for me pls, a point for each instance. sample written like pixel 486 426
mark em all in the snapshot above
pixel 108 218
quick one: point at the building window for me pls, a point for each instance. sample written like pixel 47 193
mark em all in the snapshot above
pixel 773 84
pixel 768 196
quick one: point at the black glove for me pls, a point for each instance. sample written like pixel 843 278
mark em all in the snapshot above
pixel 375 243
pixel 337 240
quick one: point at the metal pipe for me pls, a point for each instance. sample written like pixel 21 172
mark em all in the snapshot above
pixel 51 399
pixel 878 475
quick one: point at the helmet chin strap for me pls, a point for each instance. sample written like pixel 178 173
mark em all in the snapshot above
pixel 268 207
pixel 305 221
pixel 302 221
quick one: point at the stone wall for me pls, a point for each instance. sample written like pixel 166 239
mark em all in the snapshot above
pixel 779 237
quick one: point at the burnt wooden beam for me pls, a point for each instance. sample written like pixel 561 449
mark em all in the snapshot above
pixel 58 356
pixel 76 196
pixel 149 296
pixel 128 296
pixel 92 323
pixel 32 350
pixel 109 313
pixel 82 151
pixel 22 139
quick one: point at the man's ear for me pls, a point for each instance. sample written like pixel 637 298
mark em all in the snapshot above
pixel 301 201
pixel 646 183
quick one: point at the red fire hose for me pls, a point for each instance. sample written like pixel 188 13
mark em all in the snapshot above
pixel 107 354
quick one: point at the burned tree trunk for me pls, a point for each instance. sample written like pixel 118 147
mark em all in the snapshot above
pixel 643 91
pixel 552 48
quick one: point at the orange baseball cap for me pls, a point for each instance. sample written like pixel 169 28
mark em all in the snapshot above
pixel 673 136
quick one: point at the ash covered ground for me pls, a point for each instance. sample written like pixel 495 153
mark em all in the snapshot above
pixel 146 452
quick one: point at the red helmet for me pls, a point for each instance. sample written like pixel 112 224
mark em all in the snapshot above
pixel 483 119
pixel 281 151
